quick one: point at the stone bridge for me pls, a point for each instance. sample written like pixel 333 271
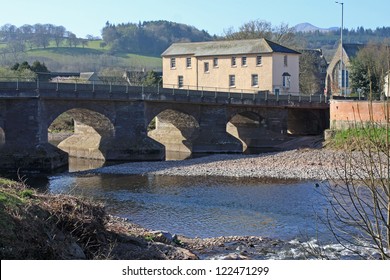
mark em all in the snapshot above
pixel 135 123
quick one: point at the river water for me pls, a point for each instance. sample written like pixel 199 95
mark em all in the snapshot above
pixel 205 206
pixel 209 206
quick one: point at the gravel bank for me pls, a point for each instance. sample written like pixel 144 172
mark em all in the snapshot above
pixel 304 164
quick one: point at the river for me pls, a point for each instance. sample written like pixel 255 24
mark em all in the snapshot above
pixel 205 206
pixel 208 206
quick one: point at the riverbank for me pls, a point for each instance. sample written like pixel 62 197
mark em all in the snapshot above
pixel 301 164
pixel 64 227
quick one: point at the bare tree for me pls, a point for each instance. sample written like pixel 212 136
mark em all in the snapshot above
pixel 359 196
pixel 255 29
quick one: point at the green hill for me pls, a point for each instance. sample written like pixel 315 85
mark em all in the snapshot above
pixel 84 59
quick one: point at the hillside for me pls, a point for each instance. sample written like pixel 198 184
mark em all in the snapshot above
pixel 89 59
pixel 150 37
pixel 308 27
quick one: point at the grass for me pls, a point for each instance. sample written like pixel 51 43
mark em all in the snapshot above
pixel 354 138
pixel 89 58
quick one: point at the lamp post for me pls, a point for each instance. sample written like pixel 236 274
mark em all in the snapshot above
pixel 342 72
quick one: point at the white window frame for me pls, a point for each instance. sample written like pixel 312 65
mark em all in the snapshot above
pixel 234 61
pixel 244 61
pixel 215 62
pixel 232 80
pixel 206 67
pixel 259 60
pixel 188 62
pixel 180 81
pixel 255 80
pixel 286 81
pixel 173 63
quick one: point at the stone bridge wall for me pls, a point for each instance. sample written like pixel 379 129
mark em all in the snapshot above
pixel 113 125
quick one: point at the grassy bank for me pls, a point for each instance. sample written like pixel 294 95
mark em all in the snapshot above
pixel 44 226
pixel 360 138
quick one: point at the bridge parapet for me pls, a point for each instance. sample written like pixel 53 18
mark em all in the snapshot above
pixel 14 90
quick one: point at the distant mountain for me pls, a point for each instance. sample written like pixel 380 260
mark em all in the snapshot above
pixel 308 27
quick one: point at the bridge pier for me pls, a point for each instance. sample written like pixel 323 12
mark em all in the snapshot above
pixel 25 145
pixel 213 137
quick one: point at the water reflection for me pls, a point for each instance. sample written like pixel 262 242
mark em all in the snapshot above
pixel 205 206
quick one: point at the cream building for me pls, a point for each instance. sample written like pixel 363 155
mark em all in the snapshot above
pixel 245 66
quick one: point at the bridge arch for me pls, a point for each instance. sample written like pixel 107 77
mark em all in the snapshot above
pixel 92 131
pixel 258 130
pixel 176 131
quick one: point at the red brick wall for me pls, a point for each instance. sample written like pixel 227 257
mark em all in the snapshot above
pixel 343 112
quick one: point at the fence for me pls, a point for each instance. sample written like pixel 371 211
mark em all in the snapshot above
pixel 20 87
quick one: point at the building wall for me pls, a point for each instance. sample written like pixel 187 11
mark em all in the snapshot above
pixel 217 78
pixel 343 113
pixel 292 68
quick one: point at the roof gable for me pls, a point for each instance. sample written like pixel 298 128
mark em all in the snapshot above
pixel 212 48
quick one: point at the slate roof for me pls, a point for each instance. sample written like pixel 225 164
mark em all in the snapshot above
pixel 214 48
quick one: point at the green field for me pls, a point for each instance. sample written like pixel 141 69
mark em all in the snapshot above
pixel 92 57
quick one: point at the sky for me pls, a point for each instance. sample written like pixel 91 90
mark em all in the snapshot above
pixel 88 17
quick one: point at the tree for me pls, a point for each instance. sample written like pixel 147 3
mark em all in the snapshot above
pixel 310 72
pixel 58 34
pixel 151 79
pixel 38 67
pixel 256 29
pixel 72 39
pixel 359 197
pixel 369 68
pixel 42 35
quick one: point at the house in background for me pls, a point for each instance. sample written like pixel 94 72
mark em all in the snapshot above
pixel 238 66
pixel 334 77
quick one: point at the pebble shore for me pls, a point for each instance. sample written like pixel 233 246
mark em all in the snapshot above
pixel 302 164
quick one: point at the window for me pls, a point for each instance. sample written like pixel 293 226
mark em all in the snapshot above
pixel 234 62
pixel 285 61
pixel 232 80
pixel 206 67
pixel 180 81
pixel 215 62
pixel 243 61
pixel 255 80
pixel 286 80
pixel 188 62
pixel 173 62
pixel 259 60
